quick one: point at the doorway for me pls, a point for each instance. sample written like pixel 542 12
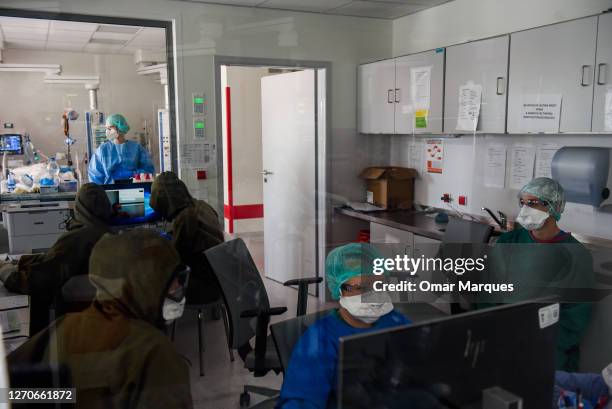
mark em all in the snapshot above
pixel 273 121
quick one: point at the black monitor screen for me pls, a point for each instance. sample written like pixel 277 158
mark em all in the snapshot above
pixel 448 363
pixel 11 144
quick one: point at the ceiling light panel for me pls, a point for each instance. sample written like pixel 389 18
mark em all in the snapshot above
pixel 301 5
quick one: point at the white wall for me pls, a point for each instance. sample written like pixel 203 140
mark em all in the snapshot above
pixel 36 107
pixel 465 20
pixel 245 88
pixel 460 21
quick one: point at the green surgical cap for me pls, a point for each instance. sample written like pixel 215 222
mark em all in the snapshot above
pixel 548 190
pixel 346 262
pixel 119 122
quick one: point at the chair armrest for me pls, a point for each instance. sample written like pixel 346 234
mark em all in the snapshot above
pixel 303 281
pixel 263 312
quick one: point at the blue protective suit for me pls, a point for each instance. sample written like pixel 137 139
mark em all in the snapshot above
pixel 311 378
pixel 118 161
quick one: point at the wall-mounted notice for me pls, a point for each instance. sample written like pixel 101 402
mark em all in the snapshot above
pixel 435 156
pixel 521 165
pixel 495 166
pixel 470 96
pixel 544 157
pixel 540 113
pixel 420 81
pixel 195 155
pixel 608 112
pixel 415 150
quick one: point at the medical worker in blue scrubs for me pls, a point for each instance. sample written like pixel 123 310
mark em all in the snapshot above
pixel 311 378
pixel 118 158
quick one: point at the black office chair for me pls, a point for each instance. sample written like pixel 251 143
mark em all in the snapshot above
pixel 249 311
pixel 463 239
pixel 287 333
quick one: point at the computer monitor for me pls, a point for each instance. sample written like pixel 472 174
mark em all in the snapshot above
pixel 11 144
pixel 449 362
pixel 131 204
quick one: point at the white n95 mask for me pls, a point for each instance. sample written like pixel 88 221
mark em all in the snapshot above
pixel 368 312
pixel 532 219
pixel 111 134
pixel 172 310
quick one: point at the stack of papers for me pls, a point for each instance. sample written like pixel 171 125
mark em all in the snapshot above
pixel 364 207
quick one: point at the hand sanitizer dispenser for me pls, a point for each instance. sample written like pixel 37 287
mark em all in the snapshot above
pixel 585 174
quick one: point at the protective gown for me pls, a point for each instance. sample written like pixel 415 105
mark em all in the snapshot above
pixel 113 161
pixel 561 267
pixel 117 354
pixel 311 378
pixel 43 275
pixel 195 228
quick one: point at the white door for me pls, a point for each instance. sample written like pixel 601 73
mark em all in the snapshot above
pixel 484 63
pixel 603 72
pixel 556 59
pixel 288 134
pixel 419 83
pixel 377 97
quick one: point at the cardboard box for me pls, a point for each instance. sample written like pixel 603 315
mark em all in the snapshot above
pixel 390 187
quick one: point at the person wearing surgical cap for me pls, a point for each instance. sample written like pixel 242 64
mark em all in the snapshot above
pixel 541 259
pixel 116 351
pixel 311 376
pixel 42 275
pixel 118 158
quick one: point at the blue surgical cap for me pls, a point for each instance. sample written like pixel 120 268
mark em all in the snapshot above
pixel 119 122
pixel 346 262
pixel 548 190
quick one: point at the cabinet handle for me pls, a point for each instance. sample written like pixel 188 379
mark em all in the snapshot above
pixel 398 95
pixel 500 81
pixel 389 98
pixel 605 74
pixel 584 67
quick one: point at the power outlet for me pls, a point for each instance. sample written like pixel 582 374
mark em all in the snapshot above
pixel 446 198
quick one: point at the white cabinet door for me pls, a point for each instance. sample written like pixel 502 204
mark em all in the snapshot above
pixel 603 83
pixel 406 92
pixel 377 97
pixel 484 63
pixel 557 59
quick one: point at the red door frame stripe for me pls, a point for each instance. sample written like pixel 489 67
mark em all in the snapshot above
pixel 231 212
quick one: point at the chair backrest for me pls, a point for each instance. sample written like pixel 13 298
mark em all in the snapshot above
pixel 286 334
pixel 241 285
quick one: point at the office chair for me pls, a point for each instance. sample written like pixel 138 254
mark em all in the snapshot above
pixel 249 311
pixel 463 239
pixel 287 333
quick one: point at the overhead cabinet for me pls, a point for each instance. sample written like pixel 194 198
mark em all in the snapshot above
pixel 402 95
pixel 480 63
pixel 556 60
pixel 603 85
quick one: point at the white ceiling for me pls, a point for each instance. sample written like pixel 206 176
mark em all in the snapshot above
pixel 386 9
pixel 36 34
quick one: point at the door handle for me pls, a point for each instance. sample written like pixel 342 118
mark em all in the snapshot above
pixel 605 74
pixel 500 81
pixel 266 172
pixel 584 67
pixel 389 97
pixel 397 95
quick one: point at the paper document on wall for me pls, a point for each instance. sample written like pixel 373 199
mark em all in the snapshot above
pixel 470 98
pixel 521 165
pixel 608 112
pixel 415 159
pixel 195 155
pixel 495 166
pixel 420 81
pixel 544 157
pixel 540 113
pixel 435 156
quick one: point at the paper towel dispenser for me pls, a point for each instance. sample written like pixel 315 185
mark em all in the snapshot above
pixel 585 174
